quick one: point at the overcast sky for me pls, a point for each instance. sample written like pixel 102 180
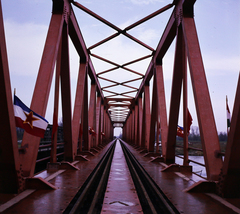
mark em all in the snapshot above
pixel 218 26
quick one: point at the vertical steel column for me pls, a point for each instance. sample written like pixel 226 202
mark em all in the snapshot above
pixel 126 130
pixel 146 119
pixel 159 112
pixel 92 113
pixel 130 127
pixel 203 104
pixel 133 126
pixel 102 124
pixel 140 123
pixel 162 107
pixel 10 176
pixel 136 125
pixel 154 117
pixel 69 153
pixel 84 119
pixel 229 180
pixel 53 158
pixel 98 120
pixel 175 102
pixel 185 98
pixel 41 91
pixel 79 104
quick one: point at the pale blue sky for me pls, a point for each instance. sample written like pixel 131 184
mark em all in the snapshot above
pixel 218 26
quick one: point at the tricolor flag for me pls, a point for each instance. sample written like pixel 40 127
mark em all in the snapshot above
pixel 180 130
pixel 28 120
pixel 228 115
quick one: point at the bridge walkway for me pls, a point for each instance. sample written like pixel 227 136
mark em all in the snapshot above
pixel 120 195
pixel 68 182
pixel 173 185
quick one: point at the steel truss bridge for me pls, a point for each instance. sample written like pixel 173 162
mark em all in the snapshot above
pixel 133 113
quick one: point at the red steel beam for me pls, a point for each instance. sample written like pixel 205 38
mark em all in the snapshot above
pixel 91 13
pixel 110 86
pixel 204 109
pixel 104 40
pixel 148 17
pixel 133 80
pixel 162 107
pixel 118 99
pixel 140 121
pixel 53 158
pixel 98 120
pixel 110 25
pixel 146 118
pixel 41 91
pixel 9 157
pixel 109 80
pixel 229 185
pixel 79 103
pixel 66 97
pixel 175 102
pixel 79 44
pixel 165 42
pixel 106 71
pixel 115 64
pixel 92 114
pixel 137 60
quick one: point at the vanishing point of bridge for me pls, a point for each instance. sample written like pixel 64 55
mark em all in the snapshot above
pixel 88 130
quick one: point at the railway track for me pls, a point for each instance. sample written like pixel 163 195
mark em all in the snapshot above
pixel 90 197
pixel 151 197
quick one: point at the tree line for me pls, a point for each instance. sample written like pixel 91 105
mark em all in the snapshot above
pixel 195 135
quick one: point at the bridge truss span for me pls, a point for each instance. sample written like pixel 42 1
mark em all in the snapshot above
pixel 140 110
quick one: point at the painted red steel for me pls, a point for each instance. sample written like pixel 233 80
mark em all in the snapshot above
pixel 229 185
pixel 10 176
pixel 41 91
pixel 53 158
pixel 79 104
pixel 205 115
pixel 140 125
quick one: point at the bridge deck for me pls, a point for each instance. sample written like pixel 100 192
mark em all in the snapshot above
pixel 121 195
pixel 173 184
pixel 69 182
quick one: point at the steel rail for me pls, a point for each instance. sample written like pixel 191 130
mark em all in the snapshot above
pixel 87 198
pixel 159 202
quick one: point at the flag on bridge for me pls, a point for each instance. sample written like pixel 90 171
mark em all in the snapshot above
pixel 180 130
pixel 28 120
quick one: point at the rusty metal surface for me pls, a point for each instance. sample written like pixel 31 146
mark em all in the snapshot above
pixel 55 201
pixel 173 185
pixel 121 195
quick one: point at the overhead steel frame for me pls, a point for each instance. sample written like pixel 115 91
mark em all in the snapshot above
pixel 181 25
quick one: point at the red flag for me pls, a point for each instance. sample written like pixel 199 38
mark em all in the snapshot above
pixel 180 130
